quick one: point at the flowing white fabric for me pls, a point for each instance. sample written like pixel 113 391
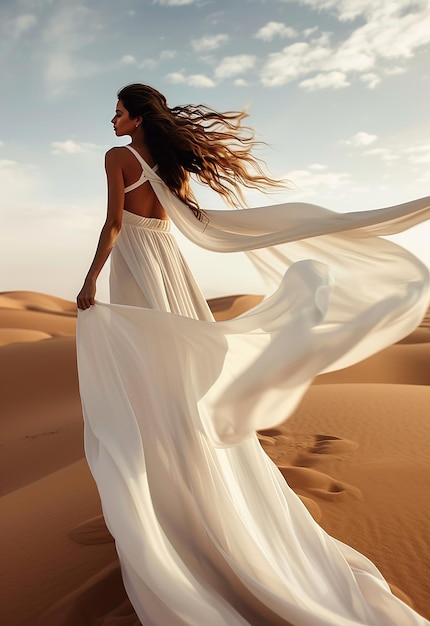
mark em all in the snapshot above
pixel 206 529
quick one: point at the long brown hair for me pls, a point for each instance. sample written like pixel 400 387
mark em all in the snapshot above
pixel 195 139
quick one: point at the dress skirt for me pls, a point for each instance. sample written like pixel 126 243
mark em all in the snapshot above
pixel 206 529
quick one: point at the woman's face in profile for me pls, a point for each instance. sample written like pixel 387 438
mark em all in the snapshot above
pixel 122 122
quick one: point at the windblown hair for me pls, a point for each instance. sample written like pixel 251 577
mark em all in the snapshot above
pixel 194 139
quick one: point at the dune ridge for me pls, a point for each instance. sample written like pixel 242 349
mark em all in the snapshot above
pixel 355 451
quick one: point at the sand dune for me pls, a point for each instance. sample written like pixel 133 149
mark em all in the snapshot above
pixel 41 424
pixel 227 307
pixel 356 451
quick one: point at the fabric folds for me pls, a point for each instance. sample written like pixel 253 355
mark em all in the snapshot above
pixel 207 530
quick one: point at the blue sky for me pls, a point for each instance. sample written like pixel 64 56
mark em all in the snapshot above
pixel 338 89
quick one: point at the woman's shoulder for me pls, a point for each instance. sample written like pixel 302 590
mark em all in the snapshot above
pixel 117 155
pixel 117 151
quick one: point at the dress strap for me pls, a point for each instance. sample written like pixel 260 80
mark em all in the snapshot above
pixel 143 177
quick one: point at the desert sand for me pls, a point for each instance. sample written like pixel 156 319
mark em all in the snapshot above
pixel 356 452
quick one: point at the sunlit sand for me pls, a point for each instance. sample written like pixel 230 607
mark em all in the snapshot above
pixel 356 452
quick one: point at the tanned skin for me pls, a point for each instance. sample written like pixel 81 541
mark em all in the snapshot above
pixel 122 169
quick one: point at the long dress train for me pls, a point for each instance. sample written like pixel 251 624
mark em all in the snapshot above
pixel 206 529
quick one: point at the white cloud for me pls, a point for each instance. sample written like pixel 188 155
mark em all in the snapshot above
pixel 165 55
pixel 348 10
pixel 194 80
pixel 313 183
pixel 296 60
pixel 310 31
pixel 337 80
pixel 7 164
pixel 240 82
pixel 385 154
pixel 200 80
pixel 370 79
pixel 23 23
pixel 68 33
pixel 71 147
pixel 232 66
pixel 59 70
pixel 174 3
pixel 392 31
pixel 275 29
pixel 317 167
pixel 419 159
pixel 128 59
pixel 360 139
pixel 398 69
pixel 418 154
pixel 176 78
pixel 351 56
pixel 148 64
pixel 209 59
pixel 209 42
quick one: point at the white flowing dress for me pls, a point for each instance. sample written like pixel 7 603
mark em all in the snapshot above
pixel 206 528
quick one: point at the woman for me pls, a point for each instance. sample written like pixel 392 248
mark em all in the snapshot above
pixel 181 140
pixel 206 529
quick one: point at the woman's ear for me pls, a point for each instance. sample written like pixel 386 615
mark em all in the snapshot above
pixel 139 120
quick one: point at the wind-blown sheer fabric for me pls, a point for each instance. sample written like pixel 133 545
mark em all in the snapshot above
pixel 206 529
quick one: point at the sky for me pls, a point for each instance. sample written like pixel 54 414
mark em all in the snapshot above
pixel 337 89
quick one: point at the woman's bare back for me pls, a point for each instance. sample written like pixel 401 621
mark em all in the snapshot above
pixel 142 200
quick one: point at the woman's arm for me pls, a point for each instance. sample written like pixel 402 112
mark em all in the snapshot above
pixel 111 227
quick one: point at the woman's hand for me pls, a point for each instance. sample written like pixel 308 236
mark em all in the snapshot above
pixel 85 297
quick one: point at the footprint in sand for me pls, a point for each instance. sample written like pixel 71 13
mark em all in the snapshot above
pixel 305 479
pixel 326 444
pixel 270 436
pixel 301 452
pixel 308 444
